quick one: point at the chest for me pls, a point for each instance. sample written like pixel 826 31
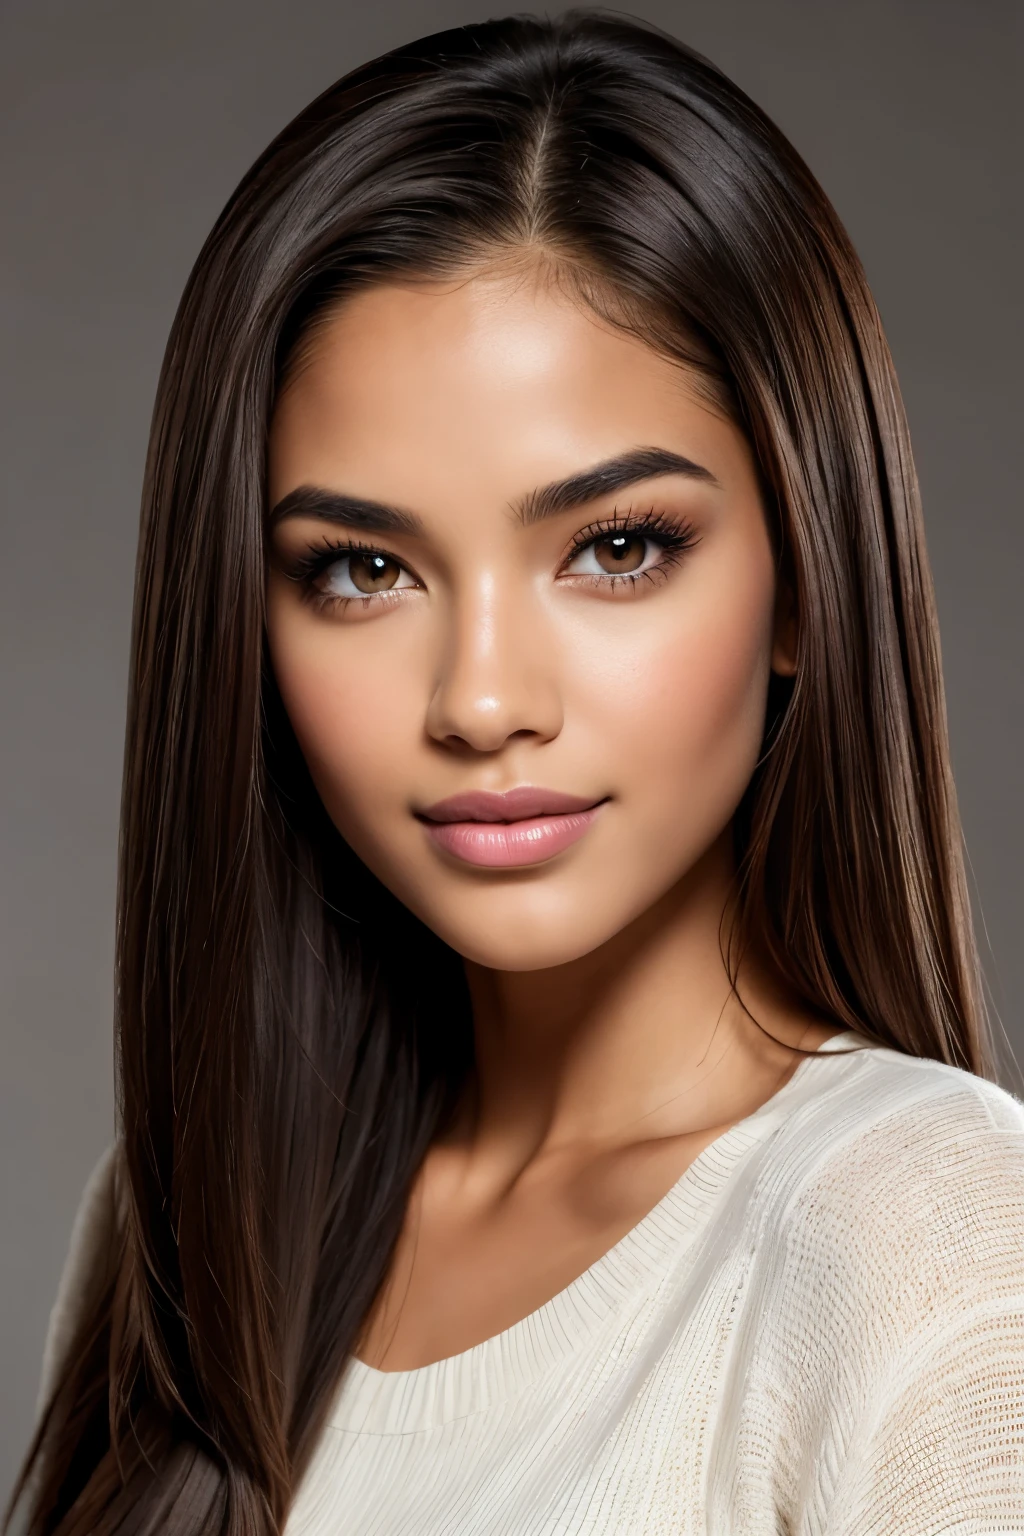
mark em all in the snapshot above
pixel 465 1271
pixel 573 1450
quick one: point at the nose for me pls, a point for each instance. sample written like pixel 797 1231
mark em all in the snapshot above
pixel 497 676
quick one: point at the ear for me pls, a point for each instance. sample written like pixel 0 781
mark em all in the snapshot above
pixel 786 627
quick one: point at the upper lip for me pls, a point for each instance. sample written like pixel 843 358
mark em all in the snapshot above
pixel 509 805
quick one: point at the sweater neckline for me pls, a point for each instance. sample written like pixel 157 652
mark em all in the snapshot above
pixel 372 1401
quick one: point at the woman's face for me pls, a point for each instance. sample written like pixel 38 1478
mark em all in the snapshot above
pixel 562 579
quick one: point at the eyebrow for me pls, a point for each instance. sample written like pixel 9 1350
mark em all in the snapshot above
pixel 603 479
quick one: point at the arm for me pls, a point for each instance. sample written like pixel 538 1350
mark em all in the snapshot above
pixel 85 1268
pixel 937 1445
pixel 944 1450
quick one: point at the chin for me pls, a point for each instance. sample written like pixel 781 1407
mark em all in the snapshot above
pixel 543 953
pixel 528 940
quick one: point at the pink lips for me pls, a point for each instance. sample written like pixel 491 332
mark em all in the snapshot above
pixel 521 826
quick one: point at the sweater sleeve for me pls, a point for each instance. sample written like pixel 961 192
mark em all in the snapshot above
pixel 885 1395
pixel 85 1268
pixel 929 1433
pixel 945 1450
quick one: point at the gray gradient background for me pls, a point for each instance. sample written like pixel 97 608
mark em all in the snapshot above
pixel 126 124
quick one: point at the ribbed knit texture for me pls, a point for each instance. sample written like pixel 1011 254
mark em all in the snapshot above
pixel 818 1331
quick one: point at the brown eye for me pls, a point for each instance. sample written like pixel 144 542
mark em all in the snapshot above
pixel 631 552
pixel 373 573
pixel 620 552
pixel 360 573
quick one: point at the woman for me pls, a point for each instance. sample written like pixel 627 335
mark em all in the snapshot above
pixel 552 1066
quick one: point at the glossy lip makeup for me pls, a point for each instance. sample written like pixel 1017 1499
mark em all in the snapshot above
pixel 525 825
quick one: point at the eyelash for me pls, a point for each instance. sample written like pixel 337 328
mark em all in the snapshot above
pixel 674 536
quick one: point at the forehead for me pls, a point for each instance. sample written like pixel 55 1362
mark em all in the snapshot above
pixel 492 376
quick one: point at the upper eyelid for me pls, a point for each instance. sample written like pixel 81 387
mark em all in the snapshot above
pixel 615 521
pixel 634 522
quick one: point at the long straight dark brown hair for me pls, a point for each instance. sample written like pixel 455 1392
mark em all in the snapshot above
pixel 290 1038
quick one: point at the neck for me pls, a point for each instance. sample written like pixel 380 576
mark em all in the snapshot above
pixel 642 1037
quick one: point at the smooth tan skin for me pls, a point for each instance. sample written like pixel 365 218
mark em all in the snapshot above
pixel 610 1050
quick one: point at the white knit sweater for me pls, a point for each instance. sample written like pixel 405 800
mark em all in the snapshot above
pixel 818 1331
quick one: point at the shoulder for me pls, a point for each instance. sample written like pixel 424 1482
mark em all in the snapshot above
pixel 924 1111
pixel 883 1338
pixel 914 1200
pixel 884 1332
pixel 90 1252
pixel 902 1139
pixel 928 1116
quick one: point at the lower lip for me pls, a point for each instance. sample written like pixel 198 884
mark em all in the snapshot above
pixel 505 844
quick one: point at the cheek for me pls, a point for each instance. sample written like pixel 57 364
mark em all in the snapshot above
pixel 714 701
pixel 684 697
pixel 352 709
